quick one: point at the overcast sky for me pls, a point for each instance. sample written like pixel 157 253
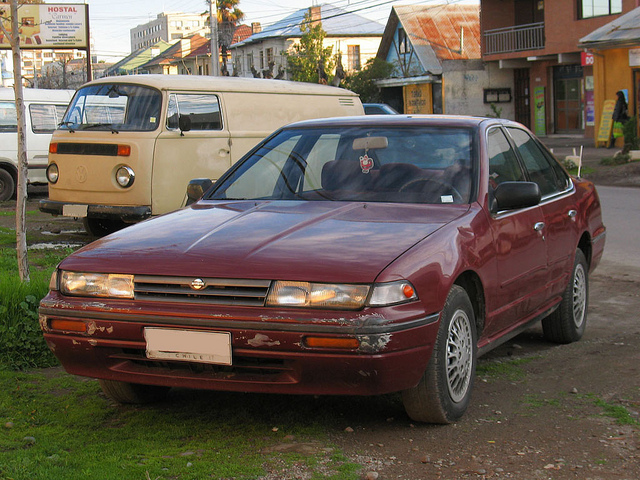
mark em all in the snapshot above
pixel 111 20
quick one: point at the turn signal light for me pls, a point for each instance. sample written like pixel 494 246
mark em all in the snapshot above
pixel 53 148
pixel 332 342
pixel 68 325
pixel 124 150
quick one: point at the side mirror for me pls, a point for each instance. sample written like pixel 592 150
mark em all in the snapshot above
pixel 184 123
pixel 196 189
pixel 513 195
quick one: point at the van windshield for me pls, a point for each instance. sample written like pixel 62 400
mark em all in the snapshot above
pixel 114 107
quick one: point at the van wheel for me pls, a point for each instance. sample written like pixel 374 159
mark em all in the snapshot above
pixel 123 392
pixel 7 185
pixel 569 321
pixel 444 391
pixel 99 227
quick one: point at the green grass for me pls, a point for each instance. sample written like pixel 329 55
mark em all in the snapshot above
pixel 12 213
pixel 510 369
pixel 618 413
pixel 80 434
pixel 583 171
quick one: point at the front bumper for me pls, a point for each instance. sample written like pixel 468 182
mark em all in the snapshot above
pixel 269 355
pixel 119 212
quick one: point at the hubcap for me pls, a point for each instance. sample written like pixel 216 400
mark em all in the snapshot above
pixel 579 295
pixel 459 356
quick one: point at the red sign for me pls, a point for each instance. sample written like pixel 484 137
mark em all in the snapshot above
pixel 587 59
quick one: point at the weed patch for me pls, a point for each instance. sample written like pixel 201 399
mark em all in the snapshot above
pixel 510 370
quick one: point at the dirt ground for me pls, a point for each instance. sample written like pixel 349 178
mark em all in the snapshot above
pixel 548 413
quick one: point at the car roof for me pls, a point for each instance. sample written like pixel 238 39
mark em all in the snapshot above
pixel 401 121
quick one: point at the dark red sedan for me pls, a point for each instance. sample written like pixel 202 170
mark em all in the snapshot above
pixel 355 256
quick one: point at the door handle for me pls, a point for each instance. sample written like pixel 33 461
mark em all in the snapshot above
pixel 538 226
pixel 572 214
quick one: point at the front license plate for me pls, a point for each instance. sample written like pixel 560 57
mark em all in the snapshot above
pixel 74 210
pixel 188 345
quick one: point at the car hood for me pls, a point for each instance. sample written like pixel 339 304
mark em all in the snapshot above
pixel 315 241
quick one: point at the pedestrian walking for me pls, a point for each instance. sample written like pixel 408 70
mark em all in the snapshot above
pixel 620 116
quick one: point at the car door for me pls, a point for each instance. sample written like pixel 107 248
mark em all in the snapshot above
pixel 520 250
pixel 558 206
pixel 202 151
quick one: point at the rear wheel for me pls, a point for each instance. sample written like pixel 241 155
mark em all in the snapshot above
pixel 7 185
pixel 443 393
pixel 569 321
pixel 99 227
pixel 123 392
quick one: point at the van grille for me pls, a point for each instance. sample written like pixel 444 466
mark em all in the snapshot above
pixel 215 291
pixel 347 102
pixel 88 149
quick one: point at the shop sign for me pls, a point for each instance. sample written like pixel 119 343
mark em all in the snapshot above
pixel 634 57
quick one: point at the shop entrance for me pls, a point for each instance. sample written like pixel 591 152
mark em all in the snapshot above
pixel 568 99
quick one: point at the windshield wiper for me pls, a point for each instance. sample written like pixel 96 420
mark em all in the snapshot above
pixel 68 125
pixel 89 126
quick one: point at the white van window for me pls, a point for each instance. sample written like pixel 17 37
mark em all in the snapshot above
pixel 8 117
pixel 45 118
pixel 203 111
pixel 114 107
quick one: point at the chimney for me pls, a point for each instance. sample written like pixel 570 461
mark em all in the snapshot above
pixel 255 28
pixel 315 13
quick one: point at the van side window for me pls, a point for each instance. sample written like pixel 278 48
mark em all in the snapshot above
pixel 202 110
pixel 8 117
pixel 45 118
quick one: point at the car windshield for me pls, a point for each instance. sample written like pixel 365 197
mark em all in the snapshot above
pixel 114 107
pixel 373 164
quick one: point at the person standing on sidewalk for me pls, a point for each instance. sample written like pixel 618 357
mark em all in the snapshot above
pixel 620 116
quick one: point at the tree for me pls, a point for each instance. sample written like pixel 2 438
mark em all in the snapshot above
pixel 309 60
pixel 228 15
pixel 363 82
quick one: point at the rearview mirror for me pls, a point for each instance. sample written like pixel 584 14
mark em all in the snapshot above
pixel 366 143
pixel 196 189
pixel 184 123
pixel 513 195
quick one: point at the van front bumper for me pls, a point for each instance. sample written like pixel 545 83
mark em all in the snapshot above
pixel 122 212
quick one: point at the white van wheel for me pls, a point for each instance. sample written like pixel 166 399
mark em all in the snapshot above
pixel 7 185
pixel 99 227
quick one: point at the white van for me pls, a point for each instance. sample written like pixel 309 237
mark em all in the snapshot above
pixel 44 111
pixel 128 146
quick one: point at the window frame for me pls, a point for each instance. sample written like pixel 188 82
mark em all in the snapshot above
pixel 583 16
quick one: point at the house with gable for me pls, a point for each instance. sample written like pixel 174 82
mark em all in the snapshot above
pixel 435 50
pixel 130 64
pixel 352 36
pixel 171 61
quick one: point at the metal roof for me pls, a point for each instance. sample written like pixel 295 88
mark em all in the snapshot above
pixel 435 33
pixel 623 31
pixel 335 22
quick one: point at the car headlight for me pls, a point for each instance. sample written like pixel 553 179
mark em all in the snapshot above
pixel 125 176
pixel 345 297
pixel 96 284
pixel 317 295
pixel 52 173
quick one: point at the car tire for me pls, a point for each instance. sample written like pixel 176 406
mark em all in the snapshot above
pixel 99 227
pixel 123 392
pixel 7 185
pixel 569 321
pixel 443 394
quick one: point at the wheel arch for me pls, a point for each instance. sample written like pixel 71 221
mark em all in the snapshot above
pixel 471 283
pixel 585 245
pixel 11 168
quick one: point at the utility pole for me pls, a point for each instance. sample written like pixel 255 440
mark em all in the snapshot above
pixel 213 24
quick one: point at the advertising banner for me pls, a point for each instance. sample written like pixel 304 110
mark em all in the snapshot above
pixel 48 25
pixel 540 127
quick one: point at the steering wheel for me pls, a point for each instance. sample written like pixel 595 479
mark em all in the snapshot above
pixel 420 185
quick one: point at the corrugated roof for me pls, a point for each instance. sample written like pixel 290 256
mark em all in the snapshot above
pixel 435 33
pixel 624 30
pixel 335 22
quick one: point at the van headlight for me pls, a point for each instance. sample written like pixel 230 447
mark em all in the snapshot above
pixel 96 284
pixel 125 176
pixel 52 173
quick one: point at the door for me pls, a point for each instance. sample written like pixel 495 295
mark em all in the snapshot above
pixel 568 107
pixel 200 150
pixel 521 96
pixel 521 257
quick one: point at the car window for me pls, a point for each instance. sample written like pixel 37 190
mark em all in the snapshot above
pixel 45 118
pixel 203 111
pixel 8 117
pixel 503 162
pixel 377 164
pixel 539 167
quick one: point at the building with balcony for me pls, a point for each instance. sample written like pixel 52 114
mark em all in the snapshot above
pixel 169 27
pixel 536 42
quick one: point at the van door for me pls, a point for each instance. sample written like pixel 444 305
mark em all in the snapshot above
pixel 201 149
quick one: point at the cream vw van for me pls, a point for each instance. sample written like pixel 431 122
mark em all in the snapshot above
pixel 128 146
pixel 44 110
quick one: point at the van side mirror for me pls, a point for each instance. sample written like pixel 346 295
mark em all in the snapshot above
pixel 513 195
pixel 184 123
pixel 196 189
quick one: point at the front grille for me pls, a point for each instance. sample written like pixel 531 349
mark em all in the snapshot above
pixel 216 291
pixel 105 149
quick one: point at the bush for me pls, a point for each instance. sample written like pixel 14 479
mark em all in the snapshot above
pixel 630 133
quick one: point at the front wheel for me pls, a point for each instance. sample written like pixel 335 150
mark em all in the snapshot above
pixel 569 321
pixel 123 392
pixel 7 185
pixel 443 393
